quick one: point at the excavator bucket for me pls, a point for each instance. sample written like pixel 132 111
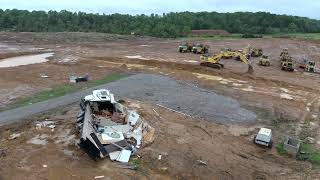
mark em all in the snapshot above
pixel 250 69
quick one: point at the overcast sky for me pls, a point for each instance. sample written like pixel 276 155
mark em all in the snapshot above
pixel 307 8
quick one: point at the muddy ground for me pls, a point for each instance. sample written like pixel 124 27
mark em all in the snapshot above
pixel 287 102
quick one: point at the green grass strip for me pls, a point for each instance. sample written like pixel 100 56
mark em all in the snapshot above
pixel 62 90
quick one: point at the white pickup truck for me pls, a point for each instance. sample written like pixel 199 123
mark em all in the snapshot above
pixel 264 137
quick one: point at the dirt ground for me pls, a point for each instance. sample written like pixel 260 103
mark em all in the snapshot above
pixel 289 103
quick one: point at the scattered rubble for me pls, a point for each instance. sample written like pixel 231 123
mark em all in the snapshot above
pixel 14 136
pixel 44 76
pixel 286 96
pixel 108 128
pixel 46 123
pixel 39 140
pixel 98 177
pixel 310 140
pixel 200 162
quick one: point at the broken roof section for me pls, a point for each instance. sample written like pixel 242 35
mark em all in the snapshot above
pixel 100 96
pixel 107 128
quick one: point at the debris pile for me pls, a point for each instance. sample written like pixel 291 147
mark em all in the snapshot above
pixel 14 136
pixel 77 79
pixel 107 128
pixel 45 124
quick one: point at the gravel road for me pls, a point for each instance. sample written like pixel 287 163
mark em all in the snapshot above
pixel 156 89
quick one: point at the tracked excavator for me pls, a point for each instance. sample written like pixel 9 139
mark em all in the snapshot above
pixel 213 60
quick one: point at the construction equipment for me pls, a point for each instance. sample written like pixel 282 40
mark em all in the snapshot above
pixel 213 61
pixel 287 62
pixel 287 65
pixel 311 66
pixel 226 49
pixel 245 51
pixel 303 64
pixel 184 47
pixel 264 61
pixel 284 55
pixel 256 52
pixel 200 49
pixel 307 65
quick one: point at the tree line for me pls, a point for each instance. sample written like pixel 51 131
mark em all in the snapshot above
pixel 165 25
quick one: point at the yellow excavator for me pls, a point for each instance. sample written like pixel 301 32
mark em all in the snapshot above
pixel 213 61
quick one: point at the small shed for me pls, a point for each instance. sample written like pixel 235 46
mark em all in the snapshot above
pixel 292 146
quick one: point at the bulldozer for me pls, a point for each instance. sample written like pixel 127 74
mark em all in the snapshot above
pixel 200 49
pixel 284 55
pixel 184 47
pixel 287 65
pixel 307 65
pixel 287 62
pixel 264 61
pixel 213 60
pixel 256 52
pixel 311 66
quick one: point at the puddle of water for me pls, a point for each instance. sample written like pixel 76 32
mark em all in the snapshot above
pixel 25 60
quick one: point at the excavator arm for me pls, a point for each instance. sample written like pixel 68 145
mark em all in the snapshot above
pixel 213 61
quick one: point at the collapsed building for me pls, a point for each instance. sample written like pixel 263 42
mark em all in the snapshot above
pixel 108 128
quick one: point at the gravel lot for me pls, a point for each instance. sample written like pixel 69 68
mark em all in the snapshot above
pixel 156 89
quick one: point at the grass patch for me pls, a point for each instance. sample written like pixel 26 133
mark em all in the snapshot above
pixel 280 149
pixel 309 153
pixel 217 37
pixel 62 90
pixel 305 36
pixel 136 162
